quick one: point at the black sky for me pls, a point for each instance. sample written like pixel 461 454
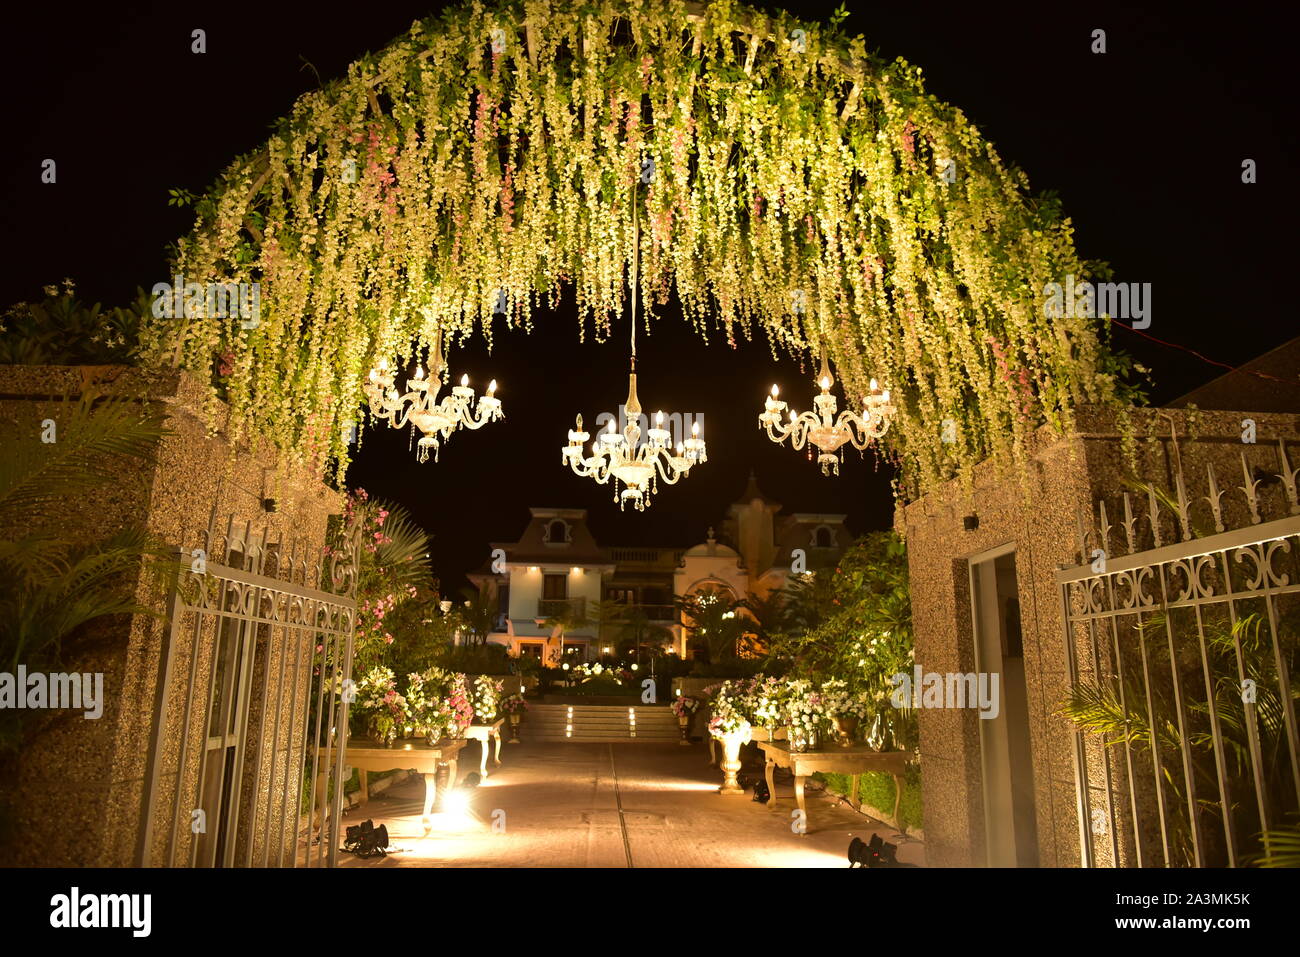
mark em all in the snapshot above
pixel 1144 144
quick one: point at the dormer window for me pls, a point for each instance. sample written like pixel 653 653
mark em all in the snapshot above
pixel 823 537
pixel 557 532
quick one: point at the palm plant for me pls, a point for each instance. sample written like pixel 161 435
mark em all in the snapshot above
pixel 54 582
pixel 1122 715
pixel 712 616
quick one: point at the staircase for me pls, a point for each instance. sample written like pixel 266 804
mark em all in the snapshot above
pixel 594 722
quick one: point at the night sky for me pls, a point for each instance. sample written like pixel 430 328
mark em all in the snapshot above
pixel 1144 144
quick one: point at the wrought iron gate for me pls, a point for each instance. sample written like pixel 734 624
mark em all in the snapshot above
pixel 1182 654
pixel 250 722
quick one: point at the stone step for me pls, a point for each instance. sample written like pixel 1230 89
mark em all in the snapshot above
pixel 579 722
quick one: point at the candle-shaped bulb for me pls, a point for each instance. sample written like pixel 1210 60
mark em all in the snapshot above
pixel 775 391
pixel 695 429
pixel 383 365
pixel 419 371
pixel 874 385
pixel 492 386
pixel 611 426
pixel 826 383
pixel 885 395
pixel 659 418
pixel 464 380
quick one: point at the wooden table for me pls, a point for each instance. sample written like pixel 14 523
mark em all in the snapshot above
pixel 410 754
pixel 852 761
pixel 481 733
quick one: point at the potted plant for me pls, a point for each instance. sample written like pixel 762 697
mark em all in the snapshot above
pixel 385 710
pixel 514 707
pixel 846 709
pixel 730 727
pixel 684 708
pixel 805 712
pixel 485 699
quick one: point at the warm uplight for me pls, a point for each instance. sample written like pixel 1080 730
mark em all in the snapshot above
pixel 606 650
pixel 532 568
pixel 455 801
pixel 576 570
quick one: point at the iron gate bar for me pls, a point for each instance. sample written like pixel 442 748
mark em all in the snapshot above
pixel 284 614
pixel 1096 595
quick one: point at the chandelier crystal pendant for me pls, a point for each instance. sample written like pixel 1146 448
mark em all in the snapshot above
pixel 435 419
pixel 823 428
pixel 638 465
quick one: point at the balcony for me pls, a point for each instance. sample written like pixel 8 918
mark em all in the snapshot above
pixel 561 608
pixel 652 612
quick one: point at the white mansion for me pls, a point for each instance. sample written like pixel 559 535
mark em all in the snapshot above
pixel 556 578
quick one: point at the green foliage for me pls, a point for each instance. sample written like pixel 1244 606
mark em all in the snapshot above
pixel 854 623
pixel 60 330
pixel 878 790
pixel 1122 715
pixel 53 580
pixel 388 208
pixel 711 614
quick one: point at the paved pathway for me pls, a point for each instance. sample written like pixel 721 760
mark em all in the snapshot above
pixel 612 805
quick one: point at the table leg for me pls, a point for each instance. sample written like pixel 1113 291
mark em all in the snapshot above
pixel 770 772
pixel 898 801
pixel 452 764
pixel 430 795
pixel 496 737
pixel 798 796
pixel 322 802
pixel 483 753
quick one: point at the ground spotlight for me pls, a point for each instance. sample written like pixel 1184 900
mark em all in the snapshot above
pixel 874 853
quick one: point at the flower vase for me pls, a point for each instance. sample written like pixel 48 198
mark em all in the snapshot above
pixel 684 725
pixel 731 763
pixel 798 741
pixel 515 716
pixel 846 726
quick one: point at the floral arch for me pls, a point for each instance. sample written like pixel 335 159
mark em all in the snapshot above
pixel 788 184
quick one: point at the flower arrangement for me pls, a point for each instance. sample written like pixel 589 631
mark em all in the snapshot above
pixel 839 702
pixel 805 708
pixel 728 718
pixel 379 214
pixel 684 707
pixel 514 703
pixel 485 698
pixel 384 710
pixel 440 703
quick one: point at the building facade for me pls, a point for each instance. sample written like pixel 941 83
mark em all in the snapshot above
pixel 562 596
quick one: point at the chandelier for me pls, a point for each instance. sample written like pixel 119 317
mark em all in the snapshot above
pixel 419 406
pixel 637 464
pixel 823 429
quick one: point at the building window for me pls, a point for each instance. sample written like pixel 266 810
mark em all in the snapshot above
pixel 625 595
pixel 531 649
pixel 822 538
pixel 555 587
pixel 557 533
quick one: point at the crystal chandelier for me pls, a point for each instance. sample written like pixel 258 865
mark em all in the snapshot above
pixel 419 406
pixel 638 465
pixel 823 428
